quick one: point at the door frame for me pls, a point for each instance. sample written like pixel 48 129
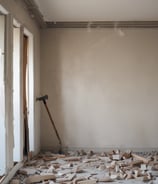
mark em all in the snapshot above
pixel 17 93
pixel 30 84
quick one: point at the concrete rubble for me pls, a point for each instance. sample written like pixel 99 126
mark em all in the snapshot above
pixel 89 168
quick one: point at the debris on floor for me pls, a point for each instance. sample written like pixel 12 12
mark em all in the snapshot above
pixel 1 178
pixel 89 168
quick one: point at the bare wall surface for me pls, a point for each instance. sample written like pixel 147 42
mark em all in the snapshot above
pixel 102 86
pixel 17 9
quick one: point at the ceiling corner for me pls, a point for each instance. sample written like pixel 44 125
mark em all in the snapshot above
pixel 34 12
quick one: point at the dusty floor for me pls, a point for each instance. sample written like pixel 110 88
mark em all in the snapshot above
pixel 89 168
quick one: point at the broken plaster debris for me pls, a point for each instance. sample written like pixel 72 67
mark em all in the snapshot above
pixel 89 168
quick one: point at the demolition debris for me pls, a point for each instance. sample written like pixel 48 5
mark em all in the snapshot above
pixel 89 168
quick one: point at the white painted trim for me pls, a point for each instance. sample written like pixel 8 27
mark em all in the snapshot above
pixel 17 95
pixel 2 100
pixel 16 23
pixel 3 10
pixel 9 92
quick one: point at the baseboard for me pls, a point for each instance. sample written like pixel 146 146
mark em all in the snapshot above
pixel 99 149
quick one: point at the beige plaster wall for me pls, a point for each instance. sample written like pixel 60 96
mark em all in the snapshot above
pixel 102 86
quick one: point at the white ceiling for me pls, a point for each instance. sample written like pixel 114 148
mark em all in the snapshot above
pixel 98 10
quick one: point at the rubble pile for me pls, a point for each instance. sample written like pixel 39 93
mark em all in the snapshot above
pixel 89 168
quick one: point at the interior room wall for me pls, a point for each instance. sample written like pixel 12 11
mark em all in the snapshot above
pixel 20 13
pixel 102 86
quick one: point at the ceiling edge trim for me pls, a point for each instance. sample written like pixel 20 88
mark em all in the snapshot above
pixel 104 24
pixel 34 12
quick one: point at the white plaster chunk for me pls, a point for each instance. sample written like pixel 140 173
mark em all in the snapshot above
pixel 143 167
pixel 116 157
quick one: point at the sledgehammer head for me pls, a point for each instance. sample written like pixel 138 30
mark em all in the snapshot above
pixel 42 98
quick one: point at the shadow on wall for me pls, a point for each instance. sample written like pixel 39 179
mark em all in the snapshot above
pixel 51 76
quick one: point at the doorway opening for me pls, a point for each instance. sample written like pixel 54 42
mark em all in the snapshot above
pixel 23 92
pixel 28 92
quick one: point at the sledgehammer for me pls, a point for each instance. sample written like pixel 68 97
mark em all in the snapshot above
pixel 43 99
